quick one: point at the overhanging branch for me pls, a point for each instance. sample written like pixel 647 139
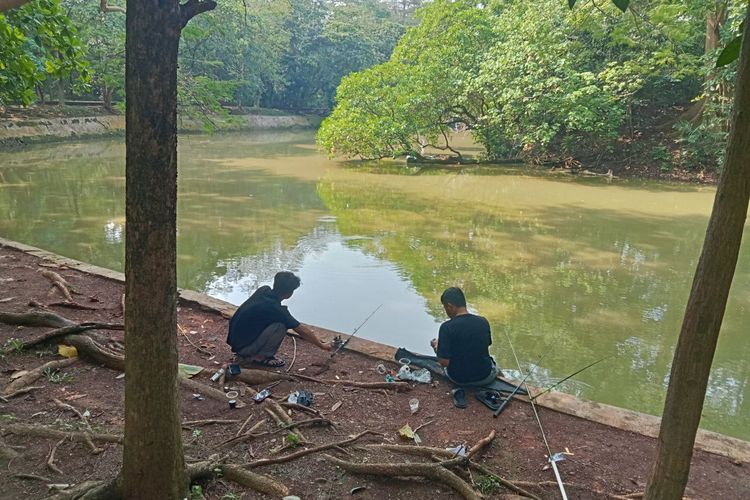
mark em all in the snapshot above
pixel 105 7
pixel 192 8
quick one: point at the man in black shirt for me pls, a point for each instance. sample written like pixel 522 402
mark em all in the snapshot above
pixel 261 322
pixel 462 346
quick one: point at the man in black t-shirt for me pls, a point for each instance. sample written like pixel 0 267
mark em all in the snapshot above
pixel 259 325
pixel 462 346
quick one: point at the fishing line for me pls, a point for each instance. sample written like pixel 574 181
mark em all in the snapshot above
pixel 538 421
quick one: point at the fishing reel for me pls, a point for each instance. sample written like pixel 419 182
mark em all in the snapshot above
pixel 338 342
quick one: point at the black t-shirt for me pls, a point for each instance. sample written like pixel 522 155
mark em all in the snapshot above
pixel 464 340
pixel 255 315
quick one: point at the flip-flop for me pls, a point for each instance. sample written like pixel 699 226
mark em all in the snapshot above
pixel 272 362
pixel 491 399
pixel 459 397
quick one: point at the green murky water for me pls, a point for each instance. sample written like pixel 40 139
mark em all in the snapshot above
pixel 577 269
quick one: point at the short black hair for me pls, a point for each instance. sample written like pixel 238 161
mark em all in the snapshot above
pixel 285 282
pixel 453 295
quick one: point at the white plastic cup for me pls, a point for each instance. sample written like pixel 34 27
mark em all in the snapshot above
pixel 414 405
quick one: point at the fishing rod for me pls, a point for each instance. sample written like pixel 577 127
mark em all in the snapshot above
pixel 518 387
pixel 552 458
pixel 545 391
pixel 343 344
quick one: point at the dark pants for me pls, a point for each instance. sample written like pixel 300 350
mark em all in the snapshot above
pixel 267 343
pixel 479 383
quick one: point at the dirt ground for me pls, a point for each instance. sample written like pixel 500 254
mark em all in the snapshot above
pixel 603 462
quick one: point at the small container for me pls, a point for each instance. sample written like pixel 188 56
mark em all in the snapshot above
pixel 233 403
pixel 216 376
pixel 414 405
pixel 261 395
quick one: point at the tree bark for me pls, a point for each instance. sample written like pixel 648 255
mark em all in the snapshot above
pixel 153 464
pixel 708 297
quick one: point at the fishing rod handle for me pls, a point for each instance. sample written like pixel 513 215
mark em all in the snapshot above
pixel 502 406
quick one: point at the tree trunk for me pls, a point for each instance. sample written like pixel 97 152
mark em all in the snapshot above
pixel 708 297
pixel 153 464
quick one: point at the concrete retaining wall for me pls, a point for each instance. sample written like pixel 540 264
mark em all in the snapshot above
pixel 53 129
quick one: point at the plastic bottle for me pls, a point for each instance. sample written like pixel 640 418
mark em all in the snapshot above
pixel 216 376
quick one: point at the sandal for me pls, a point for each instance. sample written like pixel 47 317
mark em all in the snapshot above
pixel 272 362
pixel 459 398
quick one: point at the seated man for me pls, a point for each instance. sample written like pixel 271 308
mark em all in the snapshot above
pixel 261 322
pixel 462 346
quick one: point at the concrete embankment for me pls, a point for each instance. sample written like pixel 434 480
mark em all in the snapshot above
pixel 619 418
pixel 18 132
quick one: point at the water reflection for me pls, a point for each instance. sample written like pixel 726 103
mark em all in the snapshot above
pixel 576 269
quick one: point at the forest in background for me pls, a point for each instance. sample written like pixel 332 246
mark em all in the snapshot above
pixel 535 81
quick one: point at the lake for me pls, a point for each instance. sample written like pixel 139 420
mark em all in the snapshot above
pixel 574 269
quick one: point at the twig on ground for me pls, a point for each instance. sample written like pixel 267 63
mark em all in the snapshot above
pixel 250 434
pixel 303 408
pixel 244 424
pixel 32 476
pixel 423 425
pixel 396 386
pixel 294 355
pixel 287 458
pixel 73 305
pixel 199 423
pixel 51 458
pixel 197 347
pixel 66 406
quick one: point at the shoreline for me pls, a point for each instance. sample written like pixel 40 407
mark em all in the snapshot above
pixel 619 418
pixel 19 133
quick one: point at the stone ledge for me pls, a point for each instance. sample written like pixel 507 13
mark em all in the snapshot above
pixel 612 416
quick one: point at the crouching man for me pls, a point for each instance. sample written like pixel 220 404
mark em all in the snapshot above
pixel 261 322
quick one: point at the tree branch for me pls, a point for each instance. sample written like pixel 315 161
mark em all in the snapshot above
pixel 105 7
pixel 192 8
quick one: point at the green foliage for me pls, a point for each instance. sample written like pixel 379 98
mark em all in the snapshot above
pixel 15 344
pixel 57 376
pixel 38 42
pixel 488 485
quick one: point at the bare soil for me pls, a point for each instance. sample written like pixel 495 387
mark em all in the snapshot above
pixel 603 462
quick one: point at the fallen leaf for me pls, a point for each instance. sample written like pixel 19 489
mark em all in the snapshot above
pixel 406 432
pixel 122 375
pixel 67 351
pixel 336 406
pixel 188 370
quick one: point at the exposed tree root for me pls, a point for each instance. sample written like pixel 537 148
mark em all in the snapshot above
pixel 299 407
pixel 32 477
pixel 35 318
pixel 71 408
pixel 395 386
pixel 441 453
pixel 259 377
pixel 59 283
pixel 90 348
pixel 248 479
pixel 206 390
pixel 436 472
pixel 302 453
pixel 72 305
pixel 46 432
pixel 250 434
pixel 66 330
pixel 199 423
pixel 23 390
pixel 34 374
pixel 51 458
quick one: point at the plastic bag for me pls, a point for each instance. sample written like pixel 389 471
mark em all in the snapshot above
pixel 421 375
